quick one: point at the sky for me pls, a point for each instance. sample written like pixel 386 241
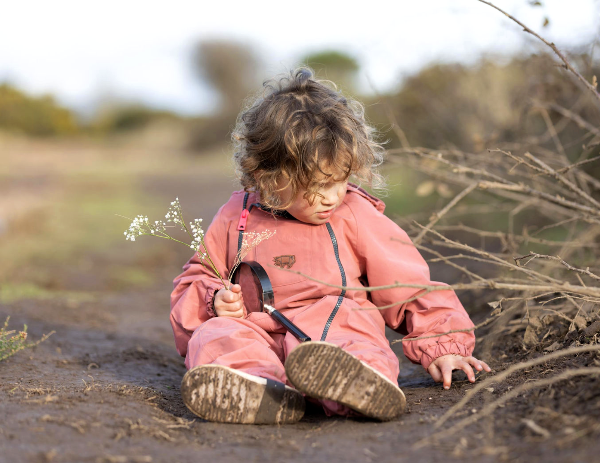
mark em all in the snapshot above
pixel 85 52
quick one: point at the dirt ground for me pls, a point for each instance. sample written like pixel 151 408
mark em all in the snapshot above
pixel 105 386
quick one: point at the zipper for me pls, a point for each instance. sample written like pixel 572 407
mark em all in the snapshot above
pixel 243 220
pixel 343 273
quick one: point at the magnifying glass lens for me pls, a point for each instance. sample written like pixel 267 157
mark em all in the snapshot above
pixel 251 288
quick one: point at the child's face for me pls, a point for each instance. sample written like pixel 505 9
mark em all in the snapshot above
pixel 331 194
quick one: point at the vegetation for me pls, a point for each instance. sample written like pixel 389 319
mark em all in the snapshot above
pixel 521 230
pixel 130 117
pixel 336 66
pixel 36 116
pixel 12 341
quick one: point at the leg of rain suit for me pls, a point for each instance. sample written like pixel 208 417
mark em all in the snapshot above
pixel 356 332
pixel 237 343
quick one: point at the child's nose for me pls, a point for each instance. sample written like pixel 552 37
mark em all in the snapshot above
pixel 329 198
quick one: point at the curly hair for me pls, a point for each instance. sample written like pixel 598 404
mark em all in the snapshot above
pixel 297 127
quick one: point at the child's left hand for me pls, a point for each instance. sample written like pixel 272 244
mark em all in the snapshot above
pixel 441 368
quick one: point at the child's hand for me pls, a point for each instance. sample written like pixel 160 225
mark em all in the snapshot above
pixel 229 302
pixel 441 368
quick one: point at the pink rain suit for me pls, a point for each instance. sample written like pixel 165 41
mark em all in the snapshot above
pixel 359 246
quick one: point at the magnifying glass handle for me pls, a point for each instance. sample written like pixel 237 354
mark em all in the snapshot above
pixel 297 332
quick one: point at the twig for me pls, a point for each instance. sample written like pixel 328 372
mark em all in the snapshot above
pixel 501 187
pixel 509 371
pixel 553 133
pixel 567 64
pixel 575 118
pixel 449 262
pixel 557 224
pixel 535 255
pixel 563 180
pixel 390 115
pixel 488 409
pixel 485 284
pixel 525 238
pixel 491 257
pixel 484 185
pixel 437 216
pixel 466 330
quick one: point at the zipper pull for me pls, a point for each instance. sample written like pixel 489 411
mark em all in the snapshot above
pixel 243 220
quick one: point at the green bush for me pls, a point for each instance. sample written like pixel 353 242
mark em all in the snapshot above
pixel 12 342
pixel 129 117
pixel 37 116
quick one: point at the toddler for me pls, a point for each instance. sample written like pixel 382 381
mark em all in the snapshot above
pixel 297 145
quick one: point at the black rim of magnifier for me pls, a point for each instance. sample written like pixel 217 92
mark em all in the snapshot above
pixel 267 296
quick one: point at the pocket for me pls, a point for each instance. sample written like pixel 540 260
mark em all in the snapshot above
pixel 287 251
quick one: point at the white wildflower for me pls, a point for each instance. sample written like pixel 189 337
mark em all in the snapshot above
pixel 141 225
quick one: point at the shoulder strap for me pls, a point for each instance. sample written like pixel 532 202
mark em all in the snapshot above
pixel 241 235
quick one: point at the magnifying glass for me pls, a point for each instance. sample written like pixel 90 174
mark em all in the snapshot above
pixel 259 297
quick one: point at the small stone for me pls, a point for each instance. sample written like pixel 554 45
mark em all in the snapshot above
pixel 593 329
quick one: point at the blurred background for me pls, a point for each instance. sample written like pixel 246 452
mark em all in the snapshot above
pixel 113 109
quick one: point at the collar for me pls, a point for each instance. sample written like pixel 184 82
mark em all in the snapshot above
pixel 280 213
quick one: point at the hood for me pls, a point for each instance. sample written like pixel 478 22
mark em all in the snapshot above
pixel 376 202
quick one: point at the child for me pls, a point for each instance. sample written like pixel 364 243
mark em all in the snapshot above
pixel 297 145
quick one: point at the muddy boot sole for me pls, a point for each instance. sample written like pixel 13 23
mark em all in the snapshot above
pixel 324 371
pixel 222 394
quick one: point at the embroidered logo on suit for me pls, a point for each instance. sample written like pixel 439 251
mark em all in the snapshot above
pixel 286 261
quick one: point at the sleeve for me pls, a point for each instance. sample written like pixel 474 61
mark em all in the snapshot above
pixel 194 289
pixel 387 261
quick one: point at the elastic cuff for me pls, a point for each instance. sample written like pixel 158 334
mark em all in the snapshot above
pixel 443 348
pixel 210 299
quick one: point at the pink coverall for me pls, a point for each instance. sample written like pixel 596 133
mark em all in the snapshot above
pixel 353 249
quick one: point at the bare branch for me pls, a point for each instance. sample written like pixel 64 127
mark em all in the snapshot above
pixel 563 180
pixel 509 371
pixel 540 194
pixel 437 216
pixel 466 330
pixel 485 284
pixel 506 397
pixel 574 117
pixel 535 255
pixel 567 64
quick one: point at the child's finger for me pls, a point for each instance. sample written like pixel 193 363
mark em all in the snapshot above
pixel 464 366
pixel 234 306
pixel 485 366
pixel 435 373
pixel 235 288
pixel 478 364
pixel 230 296
pixel 233 314
pixel 447 374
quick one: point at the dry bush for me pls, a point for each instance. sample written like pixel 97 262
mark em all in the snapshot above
pixel 531 252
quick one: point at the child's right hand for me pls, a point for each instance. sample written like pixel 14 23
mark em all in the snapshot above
pixel 229 302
